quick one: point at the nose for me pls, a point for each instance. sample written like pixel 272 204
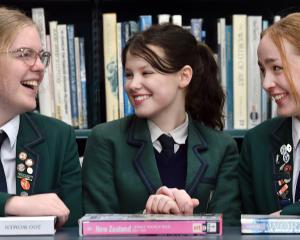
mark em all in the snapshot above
pixel 133 83
pixel 268 82
pixel 38 65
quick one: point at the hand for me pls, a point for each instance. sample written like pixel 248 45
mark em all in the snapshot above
pixel 275 214
pixel 161 204
pixel 185 203
pixel 48 204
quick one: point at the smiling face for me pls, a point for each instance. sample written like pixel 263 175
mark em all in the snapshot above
pixel 156 96
pixel 18 81
pixel 274 78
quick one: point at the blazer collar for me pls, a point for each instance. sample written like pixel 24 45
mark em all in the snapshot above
pixel 28 141
pixel 144 159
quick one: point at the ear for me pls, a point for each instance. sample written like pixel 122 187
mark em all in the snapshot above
pixel 186 74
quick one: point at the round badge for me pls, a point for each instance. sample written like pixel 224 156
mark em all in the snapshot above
pixel 23 193
pixel 25 184
pixel 29 170
pixel 22 156
pixel 29 162
pixel 287 168
pixel 286 157
pixel 21 167
pixel 289 148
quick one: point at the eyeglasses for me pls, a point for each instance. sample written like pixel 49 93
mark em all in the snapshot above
pixel 29 56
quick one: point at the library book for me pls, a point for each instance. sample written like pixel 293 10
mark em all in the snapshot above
pixel 13 226
pixel 268 224
pixel 150 224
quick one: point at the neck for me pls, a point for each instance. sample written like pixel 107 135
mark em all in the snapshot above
pixel 169 122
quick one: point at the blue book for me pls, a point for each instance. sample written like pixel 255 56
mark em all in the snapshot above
pixel 229 76
pixel 72 75
pixel 83 82
pixel 196 28
pixel 145 21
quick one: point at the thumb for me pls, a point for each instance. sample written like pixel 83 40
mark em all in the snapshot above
pixel 195 202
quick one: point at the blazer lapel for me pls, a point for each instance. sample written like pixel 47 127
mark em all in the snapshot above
pixel 144 158
pixel 196 164
pixel 29 138
pixel 282 161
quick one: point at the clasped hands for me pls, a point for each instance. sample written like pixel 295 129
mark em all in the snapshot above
pixel 171 201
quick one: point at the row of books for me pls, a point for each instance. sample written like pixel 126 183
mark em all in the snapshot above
pixel 62 94
pixel 152 224
pixel 247 104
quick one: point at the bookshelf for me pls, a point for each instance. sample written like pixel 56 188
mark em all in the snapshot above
pixel 86 15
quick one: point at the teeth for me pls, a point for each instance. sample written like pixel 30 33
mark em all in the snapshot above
pixel 31 83
pixel 140 98
pixel 279 96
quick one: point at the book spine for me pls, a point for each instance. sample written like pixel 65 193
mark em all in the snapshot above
pixel 229 77
pixel 78 82
pixel 196 28
pixel 270 226
pixel 26 227
pixel 45 101
pixel 145 227
pixel 83 82
pixel 265 100
pixel 254 84
pixel 56 73
pixel 240 71
pixel 120 70
pixel 64 65
pixel 177 19
pixel 110 65
pixel 145 21
pixel 72 74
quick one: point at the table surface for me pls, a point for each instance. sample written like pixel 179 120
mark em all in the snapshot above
pixel 230 233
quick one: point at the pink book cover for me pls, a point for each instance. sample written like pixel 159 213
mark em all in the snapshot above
pixel 143 224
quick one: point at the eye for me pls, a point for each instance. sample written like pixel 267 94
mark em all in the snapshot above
pixel 25 53
pixel 262 71
pixel 147 72
pixel 277 68
pixel 128 75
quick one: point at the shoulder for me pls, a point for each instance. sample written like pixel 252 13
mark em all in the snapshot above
pixel 115 127
pixel 264 129
pixel 48 125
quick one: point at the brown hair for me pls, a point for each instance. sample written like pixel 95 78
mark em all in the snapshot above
pixel 11 21
pixel 204 96
pixel 287 28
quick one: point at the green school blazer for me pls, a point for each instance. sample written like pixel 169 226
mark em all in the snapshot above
pixel 51 145
pixel 120 171
pixel 265 178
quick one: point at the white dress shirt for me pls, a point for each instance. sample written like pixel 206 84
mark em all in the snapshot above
pixel 296 153
pixel 8 152
pixel 179 134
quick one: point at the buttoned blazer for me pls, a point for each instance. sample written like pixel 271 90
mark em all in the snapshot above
pixel 258 171
pixel 120 171
pixel 52 147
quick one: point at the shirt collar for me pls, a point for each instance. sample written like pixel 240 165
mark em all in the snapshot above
pixel 179 134
pixel 296 131
pixel 11 128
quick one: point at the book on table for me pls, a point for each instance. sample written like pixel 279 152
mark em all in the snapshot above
pixel 268 224
pixel 150 224
pixel 43 225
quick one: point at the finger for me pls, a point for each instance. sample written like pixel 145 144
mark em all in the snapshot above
pixel 195 202
pixel 184 201
pixel 154 205
pixel 166 191
pixel 149 204
pixel 171 207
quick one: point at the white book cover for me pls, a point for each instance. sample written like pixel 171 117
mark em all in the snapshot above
pixel 13 226
pixel 44 95
pixel 177 19
pixel 120 70
pixel 78 82
pixel 163 18
pixel 254 25
pixel 83 82
pixel 239 71
pixel 64 65
pixel 221 26
pixel 50 86
pixel 56 70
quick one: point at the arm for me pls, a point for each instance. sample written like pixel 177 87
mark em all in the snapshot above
pixel 226 196
pixel 70 178
pixel 99 190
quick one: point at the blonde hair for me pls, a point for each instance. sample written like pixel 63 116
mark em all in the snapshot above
pixel 288 28
pixel 11 22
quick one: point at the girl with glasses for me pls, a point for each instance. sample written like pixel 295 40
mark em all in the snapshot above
pixel 40 170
